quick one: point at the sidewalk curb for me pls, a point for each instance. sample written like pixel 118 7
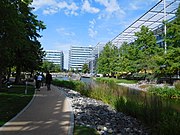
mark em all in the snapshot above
pixel 71 128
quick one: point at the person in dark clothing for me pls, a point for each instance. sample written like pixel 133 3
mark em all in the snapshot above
pixel 48 80
pixel 35 78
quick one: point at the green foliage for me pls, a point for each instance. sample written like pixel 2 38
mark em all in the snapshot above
pixel 107 60
pixel 162 121
pixel 49 66
pixel 152 112
pixel 74 85
pixel 85 68
pixel 19 45
pixel 177 85
pixel 144 54
pixel 113 80
pixel 165 92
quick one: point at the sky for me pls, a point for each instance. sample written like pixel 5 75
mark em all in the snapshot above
pixel 85 22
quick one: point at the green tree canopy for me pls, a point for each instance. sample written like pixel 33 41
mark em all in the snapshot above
pixel 19 45
pixel 85 68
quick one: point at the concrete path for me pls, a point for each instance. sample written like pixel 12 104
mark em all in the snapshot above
pixel 49 113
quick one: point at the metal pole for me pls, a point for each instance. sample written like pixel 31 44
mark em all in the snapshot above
pixel 25 92
pixel 165 45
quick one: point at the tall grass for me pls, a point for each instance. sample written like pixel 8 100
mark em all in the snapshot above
pixel 114 80
pixel 75 85
pixel 150 109
pixel 162 120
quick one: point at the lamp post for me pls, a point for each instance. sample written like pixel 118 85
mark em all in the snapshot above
pixel 165 45
pixel 25 92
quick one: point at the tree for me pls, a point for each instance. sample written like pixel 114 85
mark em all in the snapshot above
pixel 29 39
pixel 105 59
pixel 147 49
pixel 172 57
pixel 19 44
pixel 10 26
pixel 128 58
pixel 85 68
pixel 49 66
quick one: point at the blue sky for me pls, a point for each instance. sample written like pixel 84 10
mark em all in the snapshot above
pixel 85 22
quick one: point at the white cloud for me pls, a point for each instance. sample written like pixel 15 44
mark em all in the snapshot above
pixel 65 32
pixel 41 3
pixel 49 11
pixel 110 5
pixel 92 23
pixel 134 6
pixel 72 6
pixel 92 33
pixel 52 7
pixel 112 8
pixel 87 7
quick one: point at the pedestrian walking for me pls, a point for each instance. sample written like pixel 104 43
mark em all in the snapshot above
pixel 42 80
pixel 35 78
pixel 39 79
pixel 48 80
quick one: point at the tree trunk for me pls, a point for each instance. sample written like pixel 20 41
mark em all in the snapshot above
pixel 18 74
pixel 0 81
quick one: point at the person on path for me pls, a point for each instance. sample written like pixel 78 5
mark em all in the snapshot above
pixel 48 80
pixel 39 79
pixel 35 78
pixel 42 80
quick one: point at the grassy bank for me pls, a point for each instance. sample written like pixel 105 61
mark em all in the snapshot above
pixel 166 92
pixel 163 120
pixel 114 80
pixel 13 100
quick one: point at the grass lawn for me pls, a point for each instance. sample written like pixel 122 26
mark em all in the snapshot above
pixel 81 130
pixel 13 100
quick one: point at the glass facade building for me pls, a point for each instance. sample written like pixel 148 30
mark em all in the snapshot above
pixel 78 56
pixel 154 18
pixel 56 57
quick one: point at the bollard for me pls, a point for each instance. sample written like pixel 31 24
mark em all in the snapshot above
pixel 25 92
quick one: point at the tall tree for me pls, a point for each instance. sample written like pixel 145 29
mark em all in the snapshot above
pixel 147 49
pixel 10 27
pixel 19 29
pixel 104 61
pixel 30 51
pixel 172 57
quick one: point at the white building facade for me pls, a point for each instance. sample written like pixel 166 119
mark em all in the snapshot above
pixel 56 57
pixel 78 56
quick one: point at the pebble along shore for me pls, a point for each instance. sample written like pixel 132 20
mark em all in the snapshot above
pixel 100 116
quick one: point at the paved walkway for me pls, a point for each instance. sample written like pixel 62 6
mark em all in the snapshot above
pixel 49 113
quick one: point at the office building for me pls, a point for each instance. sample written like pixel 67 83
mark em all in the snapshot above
pixel 56 57
pixel 78 56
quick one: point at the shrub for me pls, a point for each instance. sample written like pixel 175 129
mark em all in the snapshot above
pixel 177 85
pixel 164 92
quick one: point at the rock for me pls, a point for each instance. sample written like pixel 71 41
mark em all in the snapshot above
pixel 98 115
